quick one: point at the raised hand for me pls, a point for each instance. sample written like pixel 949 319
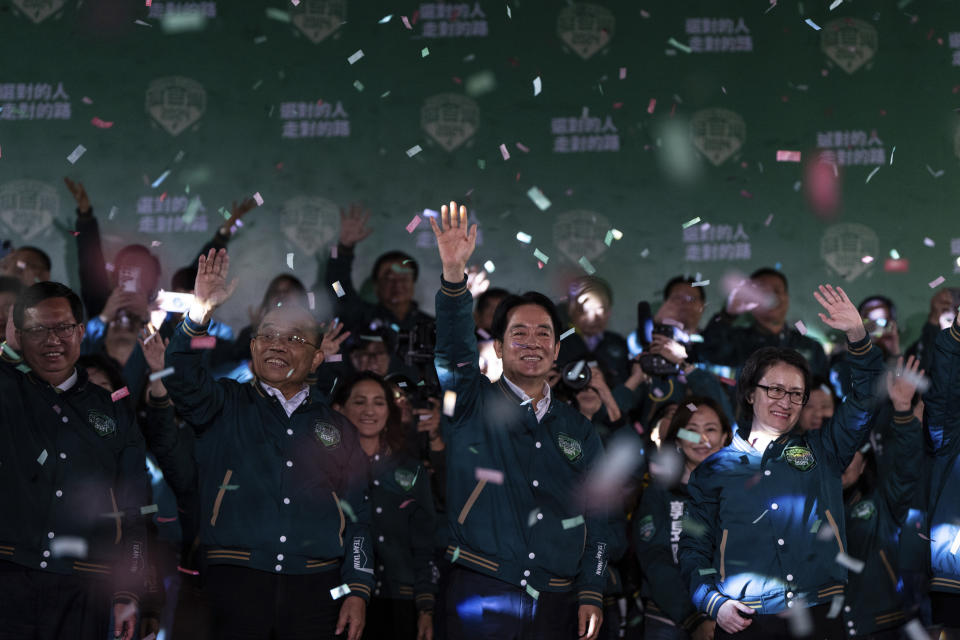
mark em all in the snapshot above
pixel 153 346
pixel 332 339
pixel 353 225
pixel 841 313
pixel 477 281
pixel 902 384
pixel 237 211
pixel 79 194
pixel 211 288
pixel 133 301
pixel 455 241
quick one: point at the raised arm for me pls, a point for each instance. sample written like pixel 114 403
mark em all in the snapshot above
pixel 455 356
pixel 193 390
pixel 94 282
pixel 847 429
pixel 899 488
pixel 339 266
pixel 941 399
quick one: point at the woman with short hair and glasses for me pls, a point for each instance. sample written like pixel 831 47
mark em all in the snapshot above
pixel 764 532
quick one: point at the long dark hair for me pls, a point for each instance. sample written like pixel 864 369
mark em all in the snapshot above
pixel 392 438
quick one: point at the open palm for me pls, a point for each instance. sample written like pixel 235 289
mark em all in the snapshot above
pixel 841 313
pixel 456 240
pixel 211 288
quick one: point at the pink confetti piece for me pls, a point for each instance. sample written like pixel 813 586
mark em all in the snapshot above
pixel 768 221
pixel 523 147
pixel 406 22
pixel 745 193
pixel 644 14
pixel 465 364
pixel 929 242
pixel 652 105
pixel 788 156
pixel 936 283
pixel 258 199
pixel 119 394
pixel 802 328
pixel 164 520
pixel 623 73
pixel 490 475
pixel 504 152
pixel 336 357
pixel 102 124
pixel 86 100
pixel 413 224
pixel 406 502
pixel 203 342
pixel 692 408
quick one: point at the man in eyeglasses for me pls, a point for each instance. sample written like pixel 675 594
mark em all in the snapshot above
pixel 285 526
pixel 73 473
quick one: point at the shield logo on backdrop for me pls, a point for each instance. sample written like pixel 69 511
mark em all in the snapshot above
pixel 27 208
pixel 310 222
pixel 450 119
pixel 176 102
pixel 585 28
pixel 843 247
pixel 718 134
pixel 317 19
pixel 39 10
pixel 849 42
pixel 580 233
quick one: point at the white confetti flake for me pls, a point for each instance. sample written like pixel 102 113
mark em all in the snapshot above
pixel 872 173
pixel 385 19
pixel 449 403
pixel 290 261
pixel 338 289
pixel 76 153
pixel 849 562
pixel 489 266
pixel 356 56
pixel 523 237
pixel 258 199
pixel 336 357
pixel 339 592
pixel 936 283
pixel 311 300
pixel 835 4
pixel 537 86
pixel 42 457
pixel 504 152
pixel 813 25
pixel 414 150
pixel 541 256
pixel 586 265
pixel 161 374
pixel 700 283
pixel 929 242
pixel 542 202
pixel 566 334
pixel 68 547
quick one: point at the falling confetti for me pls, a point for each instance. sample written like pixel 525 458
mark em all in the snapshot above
pixel 570 523
pixel 936 283
pixel 414 150
pixel 537 86
pixel 413 224
pixel 850 563
pixel 119 394
pixel 586 265
pixel 541 256
pixel 700 283
pixel 538 198
pixel 159 375
pixel 871 174
pixel 203 342
pixel 689 436
pixel 802 328
pixel 258 199
pixel 492 476
pixel 339 592
pixel 449 403
pixel 76 153
pixel 43 457
pixel 679 45
pixel 813 25
pixel 338 289
pixel 523 237
pixel 504 152
pixel 566 334
pixel 788 156
pixel 290 261
pixel 690 223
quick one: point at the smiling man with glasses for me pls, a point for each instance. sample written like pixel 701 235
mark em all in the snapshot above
pixel 285 519
pixel 72 470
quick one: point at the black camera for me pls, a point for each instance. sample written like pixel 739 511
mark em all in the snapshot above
pixel 417 345
pixel 651 363
pixel 576 375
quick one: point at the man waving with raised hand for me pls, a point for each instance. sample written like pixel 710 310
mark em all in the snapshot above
pixel 285 535
pixel 520 535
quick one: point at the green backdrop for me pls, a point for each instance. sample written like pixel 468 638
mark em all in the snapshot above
pixel 650 115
